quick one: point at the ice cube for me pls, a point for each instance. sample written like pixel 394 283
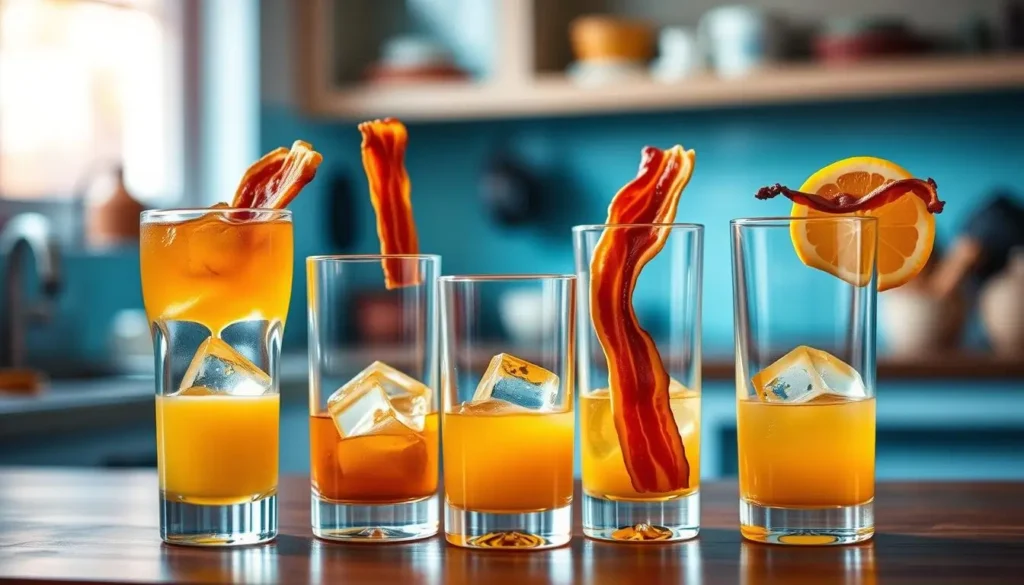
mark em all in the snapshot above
pixel 408 396
pixel 218 369
pixel 491 407
pixel 805 374
pixel 518 381
pixel 363 407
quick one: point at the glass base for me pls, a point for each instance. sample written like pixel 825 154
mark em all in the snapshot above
pixel 807 526
pixel 230 525
pixel 632 521
pixel 492 531
pixel 373 522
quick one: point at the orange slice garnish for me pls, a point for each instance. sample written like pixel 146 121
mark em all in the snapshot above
pixel 276 178
pixel 906 226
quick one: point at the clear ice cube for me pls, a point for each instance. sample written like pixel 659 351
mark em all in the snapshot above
pixel 218 369
pixel 805 374
pixel 380 400
pixel 515 380
pixel 410 396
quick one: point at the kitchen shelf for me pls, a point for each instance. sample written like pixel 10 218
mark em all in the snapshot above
pixel 556 95
pixel 958 366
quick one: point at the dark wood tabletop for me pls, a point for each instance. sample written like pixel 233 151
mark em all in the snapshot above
pixel 62 525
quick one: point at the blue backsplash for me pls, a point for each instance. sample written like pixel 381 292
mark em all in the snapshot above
pixel 969 145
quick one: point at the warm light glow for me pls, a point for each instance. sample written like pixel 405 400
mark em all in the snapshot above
pixel 84 85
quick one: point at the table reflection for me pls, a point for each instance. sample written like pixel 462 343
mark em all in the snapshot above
pixel 838 565
pixel 553 566
pixel 252 564
pixel 413 563
pixel 616 563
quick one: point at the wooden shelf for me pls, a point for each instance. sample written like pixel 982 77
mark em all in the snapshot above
pixel 955 366
pixel 958 366
pixel 556 95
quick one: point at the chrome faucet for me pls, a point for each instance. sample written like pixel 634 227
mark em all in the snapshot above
pixel 32 234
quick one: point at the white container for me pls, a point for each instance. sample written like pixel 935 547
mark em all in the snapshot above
pixel 1002 307
pixel 739 39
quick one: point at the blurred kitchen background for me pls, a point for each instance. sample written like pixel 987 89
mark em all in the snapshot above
pixel 525 117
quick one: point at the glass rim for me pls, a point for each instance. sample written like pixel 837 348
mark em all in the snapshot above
pixel 600 226
pixel 186 213
pixel 340 258
pixel 506 277
pixel 785 221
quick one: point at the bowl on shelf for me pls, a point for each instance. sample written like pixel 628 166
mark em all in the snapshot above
pixel 609 38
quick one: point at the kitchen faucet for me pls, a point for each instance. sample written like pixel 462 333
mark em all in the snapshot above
pixel 25 234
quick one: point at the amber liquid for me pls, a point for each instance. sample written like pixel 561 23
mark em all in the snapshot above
pixel 373 469
pixel 813 454
pixel 604 470
pixel 217 450
pixel 506 463
pixel 213 271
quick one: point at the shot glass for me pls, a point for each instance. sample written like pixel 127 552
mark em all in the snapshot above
pixel 805 377
pixel 216 285
pixel 668 300
pixel 508 414
pixel 373 421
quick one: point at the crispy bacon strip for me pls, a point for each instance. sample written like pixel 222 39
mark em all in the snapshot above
pixel 847 203
pixel 651 447
pixel 275 180
pixel 383 148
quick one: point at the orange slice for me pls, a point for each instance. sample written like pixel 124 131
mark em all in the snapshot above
pixel 906 228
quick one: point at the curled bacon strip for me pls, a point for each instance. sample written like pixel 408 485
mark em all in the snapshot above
pixel 383 149
pixel 276 178
pixel 651 447
pixel 847 203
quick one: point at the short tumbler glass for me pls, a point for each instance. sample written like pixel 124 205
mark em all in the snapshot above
pixel 508 414
pixel 373 422
pixel 668 295
pixel 216 284
pixel 804 293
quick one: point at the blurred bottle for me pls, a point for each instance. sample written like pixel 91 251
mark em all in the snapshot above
pixel 112 218
pixel 978 257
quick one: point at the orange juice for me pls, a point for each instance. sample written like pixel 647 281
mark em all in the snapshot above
pixel 812 454
pixel 375 469
pixel 216 270
pixel 604 472
pixel 217 450
pixel 508 462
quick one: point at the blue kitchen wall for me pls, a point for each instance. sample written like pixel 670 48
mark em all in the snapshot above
pixel 969 144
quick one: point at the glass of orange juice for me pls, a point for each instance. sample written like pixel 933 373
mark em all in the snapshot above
pixel 805 380
pixel 669 290
pixel 373 421
pixel 216 285
pixel 508 410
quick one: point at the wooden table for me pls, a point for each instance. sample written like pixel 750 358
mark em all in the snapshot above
pixel 59 526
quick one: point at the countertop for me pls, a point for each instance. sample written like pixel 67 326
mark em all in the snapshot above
pixel 61 526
